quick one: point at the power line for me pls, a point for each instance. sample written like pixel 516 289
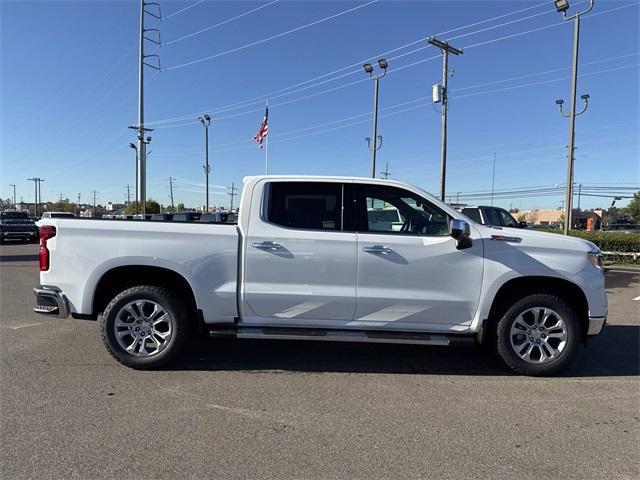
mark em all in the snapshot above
pixel 278 93
pixel 188 7
pixel 224 22
pixel 273 37
pixel 260 98
pixel 275 93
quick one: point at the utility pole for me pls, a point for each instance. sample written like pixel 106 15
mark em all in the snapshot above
pixel 128 187
pixel 95 193
pixel 61 195
pixel 141 164
pixel 35 195
pixel 14 195
pixel 446 50
pixel 40 180
pixel 562 6
pixel 232 193
pixel 78 213
pixel 579 193
pixel 493 178
pixel 368 68
pixel 171 191
pixel 386 172
pixel 206 120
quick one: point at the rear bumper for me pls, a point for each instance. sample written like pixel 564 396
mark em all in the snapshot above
pixel 595 325
pixel 51 301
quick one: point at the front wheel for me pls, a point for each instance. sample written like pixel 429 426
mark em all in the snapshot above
pixel 538 335
pixel 145 327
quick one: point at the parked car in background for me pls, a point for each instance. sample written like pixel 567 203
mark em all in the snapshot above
pixel 495 216
pixel 305 262
pixel 622 227
pixel 161 217
pixel 186 217
pixel 17 226
pixel 218 217
pixel 387 218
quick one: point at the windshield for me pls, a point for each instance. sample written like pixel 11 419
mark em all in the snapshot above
pixel 14 215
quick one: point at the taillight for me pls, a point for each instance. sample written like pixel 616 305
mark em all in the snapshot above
pixel 46 232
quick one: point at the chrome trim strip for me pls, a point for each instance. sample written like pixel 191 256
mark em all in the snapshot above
pixel 343 336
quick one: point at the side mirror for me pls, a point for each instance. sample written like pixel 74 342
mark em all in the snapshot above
pixel 522 225
pixel 460 230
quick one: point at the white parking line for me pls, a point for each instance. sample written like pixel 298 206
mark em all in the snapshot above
pixel 17 327
pixel 637 299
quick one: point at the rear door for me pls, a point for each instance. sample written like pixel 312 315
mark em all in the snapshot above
pixel 300 264
pixel 413 278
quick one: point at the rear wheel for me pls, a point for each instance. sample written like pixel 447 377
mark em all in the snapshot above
pixel 145 327
pixel 538 335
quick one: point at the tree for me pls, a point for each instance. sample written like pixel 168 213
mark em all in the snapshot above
pixel 180 207
pixel 6 204
pixel 633 209
pixel 152 207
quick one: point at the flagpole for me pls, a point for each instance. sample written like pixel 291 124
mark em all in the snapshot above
pixel 266 148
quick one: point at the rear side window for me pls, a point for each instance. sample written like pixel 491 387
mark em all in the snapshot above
pixel 307 205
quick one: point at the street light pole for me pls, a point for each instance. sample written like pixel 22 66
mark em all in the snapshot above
pixel 446 49
pixel 206 120
pixel 14 195
pixel 368 68
pixel 135 147
pixel 562 6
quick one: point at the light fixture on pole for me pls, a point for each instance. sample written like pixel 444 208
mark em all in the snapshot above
pixel 368 68
pixel 562 6
pixel 206 121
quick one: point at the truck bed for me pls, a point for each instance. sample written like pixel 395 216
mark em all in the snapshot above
pixel 205 254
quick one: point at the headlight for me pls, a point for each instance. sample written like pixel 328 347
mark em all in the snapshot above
pixel 595 258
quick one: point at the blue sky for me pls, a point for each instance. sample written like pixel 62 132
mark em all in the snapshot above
pixel 69 91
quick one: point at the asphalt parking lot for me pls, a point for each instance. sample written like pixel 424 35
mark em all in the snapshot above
pixel 247 409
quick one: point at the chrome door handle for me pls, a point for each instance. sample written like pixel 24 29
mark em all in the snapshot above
pixel 267 246
pixel 377 249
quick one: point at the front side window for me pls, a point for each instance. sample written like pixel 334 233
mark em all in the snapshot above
pixel 492 217
pixel 507 219
pixel 306 205
pixel 382 209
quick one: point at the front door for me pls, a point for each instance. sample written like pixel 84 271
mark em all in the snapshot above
pixel 410 274
pixel 300 265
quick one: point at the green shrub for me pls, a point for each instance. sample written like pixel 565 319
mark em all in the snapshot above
pixel 610 242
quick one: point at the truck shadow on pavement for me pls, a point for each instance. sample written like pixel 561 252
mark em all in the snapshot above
pixel 613 353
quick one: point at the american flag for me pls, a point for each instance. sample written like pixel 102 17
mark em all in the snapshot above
pixel 263 130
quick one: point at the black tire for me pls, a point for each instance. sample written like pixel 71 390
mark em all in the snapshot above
pixel 507 353
pixel 178 316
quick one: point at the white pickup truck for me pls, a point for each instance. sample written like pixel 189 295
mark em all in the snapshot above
pixel 306 262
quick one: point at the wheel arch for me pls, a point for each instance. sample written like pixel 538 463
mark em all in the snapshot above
pixel 520 287
pixel 120 278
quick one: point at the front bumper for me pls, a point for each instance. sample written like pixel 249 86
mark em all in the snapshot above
pixel 51 301
pixel 19 234
pixel 595 325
